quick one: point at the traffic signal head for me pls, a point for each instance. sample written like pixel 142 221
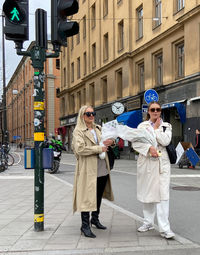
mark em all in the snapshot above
pixel 16 20
pixel 61 28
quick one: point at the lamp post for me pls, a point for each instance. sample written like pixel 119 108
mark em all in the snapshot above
pixel 4 83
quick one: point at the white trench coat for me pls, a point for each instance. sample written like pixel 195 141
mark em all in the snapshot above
pixel 153 174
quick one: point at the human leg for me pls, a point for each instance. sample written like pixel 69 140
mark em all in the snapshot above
pixel 163 219
pixel 101 183
pixel 149 215
pixel 85 228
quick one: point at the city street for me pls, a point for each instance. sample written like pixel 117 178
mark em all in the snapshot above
pixel 184 204
pixel 61 233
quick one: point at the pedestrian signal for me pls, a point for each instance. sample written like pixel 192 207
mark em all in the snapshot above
pixel 16 20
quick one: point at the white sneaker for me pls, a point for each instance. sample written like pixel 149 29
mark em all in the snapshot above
pixel 145 227
pixel 168 235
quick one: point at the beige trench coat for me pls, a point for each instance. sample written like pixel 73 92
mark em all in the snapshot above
pixel 86 151
pixel 153 174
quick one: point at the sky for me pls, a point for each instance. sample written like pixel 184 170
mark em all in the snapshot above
pixel 11 58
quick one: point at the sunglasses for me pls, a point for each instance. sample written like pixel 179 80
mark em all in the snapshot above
pixel 88 114
pixel 155 109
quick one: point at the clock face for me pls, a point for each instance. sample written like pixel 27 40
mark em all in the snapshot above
pixel 117 108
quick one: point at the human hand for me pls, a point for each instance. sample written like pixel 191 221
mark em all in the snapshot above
pixel 108 142
pixel 157 123
pixel 153 152
pixel 104 149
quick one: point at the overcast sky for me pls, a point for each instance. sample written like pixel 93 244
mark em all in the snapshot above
pixel 12 59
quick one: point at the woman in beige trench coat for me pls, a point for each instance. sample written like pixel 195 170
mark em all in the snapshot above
pixel 153 172
pixel 92 176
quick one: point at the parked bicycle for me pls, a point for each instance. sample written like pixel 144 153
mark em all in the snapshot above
pixel 6 159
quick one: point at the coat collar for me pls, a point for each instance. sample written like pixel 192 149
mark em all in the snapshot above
pixel 90 135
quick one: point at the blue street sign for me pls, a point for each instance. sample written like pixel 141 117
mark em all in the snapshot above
pixel 16 137
pixel 151 95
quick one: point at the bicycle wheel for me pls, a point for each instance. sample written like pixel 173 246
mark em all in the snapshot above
pixel 17 158
pixel 10 160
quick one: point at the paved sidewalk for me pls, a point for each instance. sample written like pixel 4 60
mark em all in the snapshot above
pixel 62 228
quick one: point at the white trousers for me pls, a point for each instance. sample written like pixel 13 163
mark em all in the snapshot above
pixel 161 209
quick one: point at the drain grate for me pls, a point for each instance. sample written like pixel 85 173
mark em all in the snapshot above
pixel 186 188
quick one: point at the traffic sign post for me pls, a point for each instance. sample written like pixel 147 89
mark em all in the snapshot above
pixel 16 29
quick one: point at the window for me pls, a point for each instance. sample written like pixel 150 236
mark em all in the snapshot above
pixel 119 83
pixel 105 46
pixel 180 60
pixel 141 79
pixel 158 12
pixel 84 26
pixel 79 99
pixel 179 4
pixel 78 38
pixel 78 68
pixel 72 72
pixel 65 77
pixel 93 16
pixel 94 55
pixel 72 104
pixel 63 106
pixel 120 35
pixel 140 22
pixel 84 63
pixel 58 63
pixel 159 69
pixel 84 96
pixel 104 90
pixel 72 43
pixel 92 94
pixel 105 7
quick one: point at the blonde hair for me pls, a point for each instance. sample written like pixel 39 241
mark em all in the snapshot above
pixel 80 120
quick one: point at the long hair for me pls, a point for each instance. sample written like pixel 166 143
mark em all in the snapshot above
pixel 148 115
pixel 80 120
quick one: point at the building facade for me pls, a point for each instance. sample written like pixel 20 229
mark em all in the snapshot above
pixel 20 100
pixel 126 47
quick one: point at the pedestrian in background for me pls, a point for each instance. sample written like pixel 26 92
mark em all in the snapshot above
pixel 197 141
pixel 153 172
pixel 92 176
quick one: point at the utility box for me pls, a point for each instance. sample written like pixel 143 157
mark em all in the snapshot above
pixel 47 158
pixel 29 158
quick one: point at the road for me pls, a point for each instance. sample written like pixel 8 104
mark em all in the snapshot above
pixel 184 203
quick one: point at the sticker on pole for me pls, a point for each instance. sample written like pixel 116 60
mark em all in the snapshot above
pixel 151 95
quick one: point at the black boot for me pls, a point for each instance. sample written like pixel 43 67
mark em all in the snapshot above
pixel 95 221
pixel 85 228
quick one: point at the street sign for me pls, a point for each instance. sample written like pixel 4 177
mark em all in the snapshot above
pixel 151 95
pixel 144 108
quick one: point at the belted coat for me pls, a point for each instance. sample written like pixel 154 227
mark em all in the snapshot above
pixel 153 174
pixel 85 182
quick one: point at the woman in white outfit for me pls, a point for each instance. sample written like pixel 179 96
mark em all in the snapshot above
pixel 153 172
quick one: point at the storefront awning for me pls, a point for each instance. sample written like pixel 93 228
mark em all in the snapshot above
pixel 180 109
pixel 131 119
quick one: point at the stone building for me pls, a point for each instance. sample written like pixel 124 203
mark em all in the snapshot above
pixel 20 99
pixel 126 47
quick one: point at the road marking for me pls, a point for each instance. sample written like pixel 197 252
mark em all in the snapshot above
pixel 134 174
pixel 8 177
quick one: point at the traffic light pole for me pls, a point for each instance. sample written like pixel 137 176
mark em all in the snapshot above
pixel 38 56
